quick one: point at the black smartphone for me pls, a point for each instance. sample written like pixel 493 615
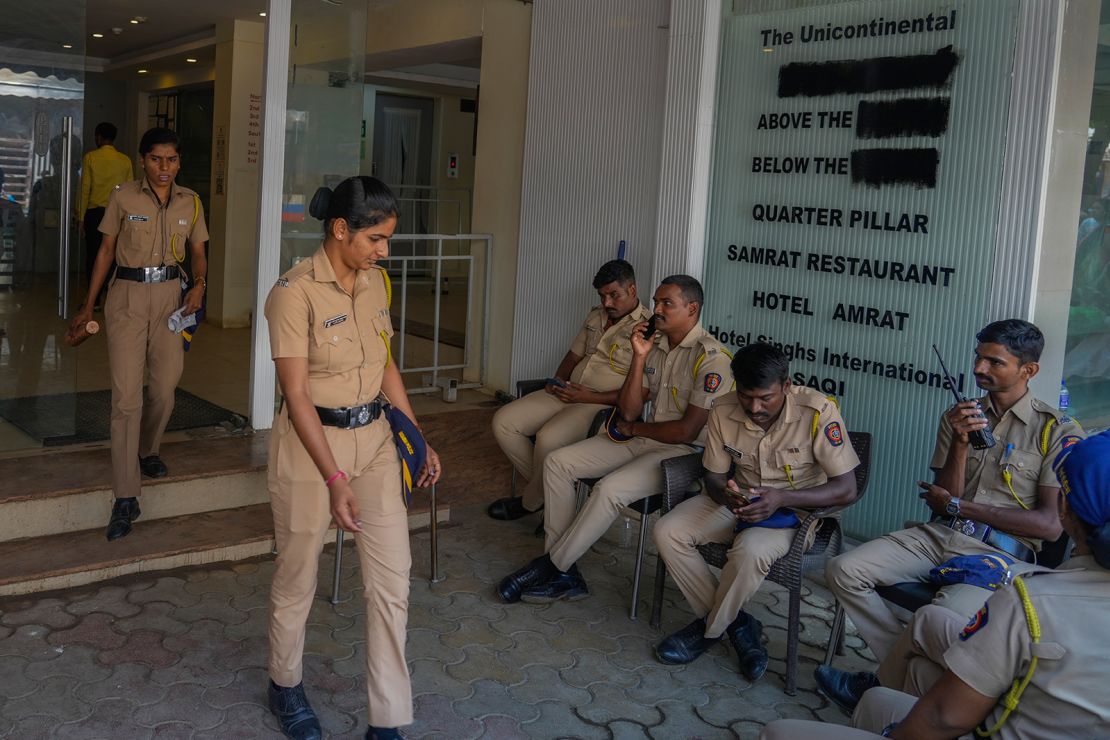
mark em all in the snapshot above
pixel 650 328
pixel 558 382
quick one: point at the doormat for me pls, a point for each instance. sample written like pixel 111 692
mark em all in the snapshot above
pixel 75 418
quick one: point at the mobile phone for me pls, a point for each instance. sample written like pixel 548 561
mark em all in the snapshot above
pixel 650 328
pixel 557 382
pixel 738 496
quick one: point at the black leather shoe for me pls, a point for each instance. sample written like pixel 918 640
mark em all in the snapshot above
pixel 686 645
pixel 382 733
pixel 746 635
pixel 513 585
pixel 153 467
pixel 124 511
pixel 843 688
pixel 570 586
pixel 507 509
pixel 291 707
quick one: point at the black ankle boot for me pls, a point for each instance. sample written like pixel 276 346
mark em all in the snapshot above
pixel 291 707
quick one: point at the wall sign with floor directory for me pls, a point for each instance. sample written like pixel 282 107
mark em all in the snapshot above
pixel 854 206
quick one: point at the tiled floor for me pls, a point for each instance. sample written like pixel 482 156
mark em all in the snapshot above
pixel 182 654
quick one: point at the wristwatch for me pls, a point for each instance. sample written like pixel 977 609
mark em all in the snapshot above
pixel 952 508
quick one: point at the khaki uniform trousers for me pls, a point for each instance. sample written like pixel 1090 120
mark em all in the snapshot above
pixel 140 345
pixel 553 423
pixel 878 708
pixel 698 521
pixel 916 661
pixel 302 516
pixel 629 471
pixel 906 555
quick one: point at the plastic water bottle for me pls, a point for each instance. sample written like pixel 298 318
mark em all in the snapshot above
pixel 1065 397
pixel 626 532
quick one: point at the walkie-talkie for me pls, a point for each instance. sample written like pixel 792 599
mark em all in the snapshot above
pixel 980 439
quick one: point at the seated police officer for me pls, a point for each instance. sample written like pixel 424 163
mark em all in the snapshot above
pixel 771 447
pixel 1033 661
pixel 1001 499
pixel 586 382
pixel 681 375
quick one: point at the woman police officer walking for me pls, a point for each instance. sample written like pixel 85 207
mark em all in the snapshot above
pixel 332 454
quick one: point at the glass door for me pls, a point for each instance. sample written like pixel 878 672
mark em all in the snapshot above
pixel 42 92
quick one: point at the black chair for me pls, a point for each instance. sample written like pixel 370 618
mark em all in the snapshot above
pixel 645 506
pixel 912 595
pixel 680 472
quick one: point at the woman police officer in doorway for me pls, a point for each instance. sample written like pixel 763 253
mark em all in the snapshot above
pixel 332 454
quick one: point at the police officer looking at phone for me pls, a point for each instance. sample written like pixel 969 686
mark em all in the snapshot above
pixel 681 373
pixel 1001 499
pixel 586 381
pixel 149 227
pixel 1033 661
pixel 772 446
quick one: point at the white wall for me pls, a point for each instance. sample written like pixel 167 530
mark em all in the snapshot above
pixel 591 163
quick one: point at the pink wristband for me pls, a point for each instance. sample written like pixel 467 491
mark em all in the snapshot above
pixel 336 476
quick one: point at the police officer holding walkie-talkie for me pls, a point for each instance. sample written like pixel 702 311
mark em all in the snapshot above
pixel 994 492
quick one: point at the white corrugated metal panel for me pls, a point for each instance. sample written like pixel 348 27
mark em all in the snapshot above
pixel 1015 266
pixel 687 136
pixel 591 163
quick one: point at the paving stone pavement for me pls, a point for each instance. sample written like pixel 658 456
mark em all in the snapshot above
pixel 182 654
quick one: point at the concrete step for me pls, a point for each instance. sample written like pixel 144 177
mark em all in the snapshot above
pixel 71 492
pixel 66 560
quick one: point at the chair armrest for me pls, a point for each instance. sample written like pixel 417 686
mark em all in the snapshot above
pixel 524 387
pixel 678 473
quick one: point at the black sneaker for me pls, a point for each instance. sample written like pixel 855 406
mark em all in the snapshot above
pixel 292 709
pixel 124 511
pixel 843 688
pixel 686 645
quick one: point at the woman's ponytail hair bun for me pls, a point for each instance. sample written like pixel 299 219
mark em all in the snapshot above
pixel 318 208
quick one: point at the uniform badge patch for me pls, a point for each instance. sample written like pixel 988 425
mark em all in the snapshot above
pixel 282 283
pixel 328 323
pixel 978 622
pixel 734 452
pixel 712 382
pixel 1068 441
pixel 649 371
pixel 833 433
pixel 137 217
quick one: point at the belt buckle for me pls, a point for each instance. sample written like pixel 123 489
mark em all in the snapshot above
pixel 967 527
pixel 364 415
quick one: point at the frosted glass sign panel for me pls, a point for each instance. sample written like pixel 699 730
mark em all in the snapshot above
pixel 854 207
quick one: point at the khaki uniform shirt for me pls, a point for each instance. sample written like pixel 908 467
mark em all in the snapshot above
pixel 696 371
pixel 345 337
pixel 788 455
pixel 606 352
pixel 1021 426
pixel 1067 695
pixel 148 233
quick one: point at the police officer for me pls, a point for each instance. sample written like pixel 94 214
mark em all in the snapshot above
pixel 682 375
pixel 332 454
pixel 1034 661
pixel 587 381
pixel 770 448
pixel 1001 499
pixel 149 227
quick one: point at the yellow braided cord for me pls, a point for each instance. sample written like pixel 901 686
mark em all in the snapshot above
pixel 1045 433
pixel 613 367
pixel 789 476
pixel 388 351
pixel 816 423
pixel 173 238
pixel 388 287
pixel 674 395
pixel 1008 477
pixel 1013 697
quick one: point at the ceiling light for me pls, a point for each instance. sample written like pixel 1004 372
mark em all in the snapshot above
pixel 142 71
pixel 135 21
pixel 98 35
pixel 67 46
pixel 190 60
pixel 262 14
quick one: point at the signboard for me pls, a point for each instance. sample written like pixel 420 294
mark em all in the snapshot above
pixel 853 209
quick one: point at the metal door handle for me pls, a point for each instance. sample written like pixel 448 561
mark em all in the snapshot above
pixel 66 204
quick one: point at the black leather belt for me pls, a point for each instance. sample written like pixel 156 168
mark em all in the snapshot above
pixel 990 536
pixel 148 274
pixel 351 417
